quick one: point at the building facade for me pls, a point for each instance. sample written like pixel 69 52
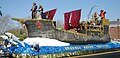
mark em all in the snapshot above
pixel 115 29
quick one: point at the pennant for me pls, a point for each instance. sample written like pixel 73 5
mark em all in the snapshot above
pixel 66 20
pixel 50 14
pixel 76 14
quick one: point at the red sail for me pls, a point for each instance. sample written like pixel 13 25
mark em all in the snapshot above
pixel 46 14
pixel 50 14
pixel 66 20
pixel 76 14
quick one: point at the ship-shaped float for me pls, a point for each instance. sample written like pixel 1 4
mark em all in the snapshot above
pixel 84 38
pixel 80 34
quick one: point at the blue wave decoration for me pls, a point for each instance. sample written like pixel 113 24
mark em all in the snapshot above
pixel 60 49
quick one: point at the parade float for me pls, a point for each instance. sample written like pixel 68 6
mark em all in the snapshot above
pixel 83 39
pixel 46 28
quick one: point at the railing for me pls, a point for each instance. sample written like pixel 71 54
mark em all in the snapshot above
pixel 95 28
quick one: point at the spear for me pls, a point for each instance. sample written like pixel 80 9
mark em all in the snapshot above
pixel 91 10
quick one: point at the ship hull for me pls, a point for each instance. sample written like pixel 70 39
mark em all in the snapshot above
pixel 46 29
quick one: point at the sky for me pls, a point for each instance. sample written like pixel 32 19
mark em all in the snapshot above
pixel 21 8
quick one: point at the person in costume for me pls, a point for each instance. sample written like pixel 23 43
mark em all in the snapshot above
pixel 41 15
pixel 102 14
pixel 34 10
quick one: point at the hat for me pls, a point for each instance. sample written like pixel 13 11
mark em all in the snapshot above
pixel 102 10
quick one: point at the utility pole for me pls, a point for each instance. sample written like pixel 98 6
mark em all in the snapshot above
pixel 118 20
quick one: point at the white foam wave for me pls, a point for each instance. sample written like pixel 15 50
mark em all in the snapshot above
pixel 44 42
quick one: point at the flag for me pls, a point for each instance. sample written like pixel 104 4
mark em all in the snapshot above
pixel 76 14
pixel 50 14
pixel 66 20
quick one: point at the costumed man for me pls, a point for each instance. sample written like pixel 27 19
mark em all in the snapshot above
pixel 102 14
pixel 34 10
pixel 96 18
pixel 41 15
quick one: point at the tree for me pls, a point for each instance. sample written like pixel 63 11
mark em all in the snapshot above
pixel 7 24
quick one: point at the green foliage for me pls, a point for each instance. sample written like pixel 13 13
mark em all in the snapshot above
pixel 18 19
pixel 105 22
pixel 19 33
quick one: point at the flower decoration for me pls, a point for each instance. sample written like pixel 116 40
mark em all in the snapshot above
pixel 38 24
